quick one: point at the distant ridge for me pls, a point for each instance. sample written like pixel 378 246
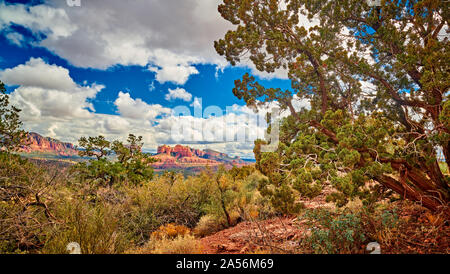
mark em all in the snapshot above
pixel 37 144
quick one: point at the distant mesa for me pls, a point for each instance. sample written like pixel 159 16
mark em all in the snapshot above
pixel 37 144
pixel 183 157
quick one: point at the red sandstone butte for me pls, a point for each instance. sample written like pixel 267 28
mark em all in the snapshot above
pixel 37 143
pixel 183 156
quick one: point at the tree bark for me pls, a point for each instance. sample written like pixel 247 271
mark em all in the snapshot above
pixel 410 193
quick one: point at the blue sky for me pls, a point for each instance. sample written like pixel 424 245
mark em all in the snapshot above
pixel 214 87
pixel 120 68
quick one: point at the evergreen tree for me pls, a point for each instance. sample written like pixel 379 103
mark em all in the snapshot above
pixel 352 134
pixel 11 136
pixel 130 163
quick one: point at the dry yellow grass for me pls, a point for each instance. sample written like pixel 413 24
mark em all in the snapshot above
pixel 207 225
pixel 186 244
pixel 170 231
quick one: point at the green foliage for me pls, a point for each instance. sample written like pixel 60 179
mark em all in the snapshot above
pixel 11 136
pixel 94 146
pixel 96 228
pixel 25 203
pixel 334 234
pixel 345 232
pixel 131 164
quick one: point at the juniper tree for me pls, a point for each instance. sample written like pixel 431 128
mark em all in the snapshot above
pixel 11 135
pixel 24 195
pixel 130 163
pixel 351 135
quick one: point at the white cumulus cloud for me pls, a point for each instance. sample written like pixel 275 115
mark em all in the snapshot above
pixel 178 93
pixel 48 91
pixel 54 22
pixel 37 73
pixel 138 109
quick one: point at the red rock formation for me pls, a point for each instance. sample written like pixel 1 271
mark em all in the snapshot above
pixel 182 151
pixel 198 152
pixel 183 156
pixel 164 150
pixel 37 143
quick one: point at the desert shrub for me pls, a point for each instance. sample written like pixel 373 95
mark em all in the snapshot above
pixel 347 231
pixel 140 223
pixel 207 225
pixel 96 228
pixel 281 198
pixel 248 200
pixel 234 195
pixel 260 208
pixel 27 196
pixel 381 224
pixel 223 195
pixel 170 231
pixel 164 200
pixel 334 233
pixel 142 210
pixel 180 245
pixel 444 168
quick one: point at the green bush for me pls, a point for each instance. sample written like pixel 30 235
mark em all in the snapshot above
pixel 346 231
pixel 96 228
pixel 26 194
pixel 331 233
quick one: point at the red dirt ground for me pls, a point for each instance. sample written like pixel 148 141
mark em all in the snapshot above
pixel 248 236
pixel 276 235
